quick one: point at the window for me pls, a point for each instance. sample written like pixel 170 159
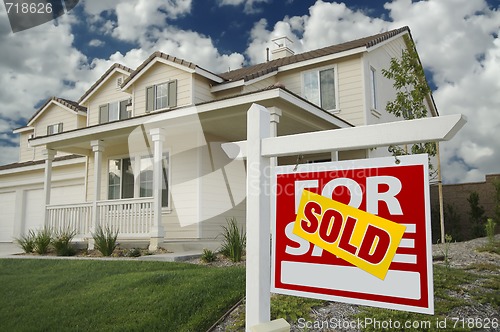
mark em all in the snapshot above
pixel 320 88
pixel 113 111
pixel 55 128
pixel 124 183
pixel 161 96
pixel 373 87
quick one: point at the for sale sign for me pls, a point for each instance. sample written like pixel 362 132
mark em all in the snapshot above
pixel 355 231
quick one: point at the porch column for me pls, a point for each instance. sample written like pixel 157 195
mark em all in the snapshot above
pixel 157 233
pixel 98 149
pixel 48 155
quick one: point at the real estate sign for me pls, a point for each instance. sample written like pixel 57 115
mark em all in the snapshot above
pixel 354 231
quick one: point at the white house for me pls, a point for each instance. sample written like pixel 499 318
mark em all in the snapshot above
pixel 141 149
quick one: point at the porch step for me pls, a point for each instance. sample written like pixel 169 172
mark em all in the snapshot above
pixel 173 256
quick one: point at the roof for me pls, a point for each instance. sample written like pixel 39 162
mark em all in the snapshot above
pixel 251 72
pixel 72 105
pixel 160 55
pixel 114 67
pixel 36 162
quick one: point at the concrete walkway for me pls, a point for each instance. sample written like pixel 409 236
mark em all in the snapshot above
pixel 10 250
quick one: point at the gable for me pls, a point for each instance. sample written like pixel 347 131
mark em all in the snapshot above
pixel 54 114
pixel 159 73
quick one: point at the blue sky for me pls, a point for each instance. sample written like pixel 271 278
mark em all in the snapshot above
pixel 458 42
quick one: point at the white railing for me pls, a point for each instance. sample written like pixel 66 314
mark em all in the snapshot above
pixel 72 217
pixel 131 217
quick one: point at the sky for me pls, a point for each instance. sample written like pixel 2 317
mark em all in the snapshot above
pixel 457 40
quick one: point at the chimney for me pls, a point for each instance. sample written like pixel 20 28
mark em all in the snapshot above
pixel 283 49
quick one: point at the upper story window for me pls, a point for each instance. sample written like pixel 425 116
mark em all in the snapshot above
pixel 55 128
pixel 320 88
pixel 161 96
pixel 113 111
pixel 373 88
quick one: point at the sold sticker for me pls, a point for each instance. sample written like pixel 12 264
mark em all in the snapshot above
pixel 358 237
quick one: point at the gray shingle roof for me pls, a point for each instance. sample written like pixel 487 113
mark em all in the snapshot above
pixel 251 72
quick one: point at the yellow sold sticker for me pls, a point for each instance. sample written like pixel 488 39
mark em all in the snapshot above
pixel 360 238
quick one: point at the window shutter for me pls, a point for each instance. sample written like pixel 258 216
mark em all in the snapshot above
pixel 104 113
pixel 123 110
pixel 150 98
pixel 60 127
pixel 49 130
pixel 172 93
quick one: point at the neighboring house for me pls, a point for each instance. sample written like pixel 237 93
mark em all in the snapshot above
pixel 141 150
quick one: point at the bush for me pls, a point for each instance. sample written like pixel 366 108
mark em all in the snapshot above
pixel 208 256
pixel 134 252
pixel 234 242
pixel 42 241
pixel 477 216
pixel 62 243
pixel 105 240
pixel 27 242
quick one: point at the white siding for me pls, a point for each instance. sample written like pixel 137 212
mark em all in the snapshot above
pixel 201 90
pixel 260 84
pixel 350 82
pixel 223 190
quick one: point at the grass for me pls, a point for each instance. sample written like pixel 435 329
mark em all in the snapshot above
pixel 233 240
pixel 89 295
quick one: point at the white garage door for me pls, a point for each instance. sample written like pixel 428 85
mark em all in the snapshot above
pixel 7 210
pixel 34 213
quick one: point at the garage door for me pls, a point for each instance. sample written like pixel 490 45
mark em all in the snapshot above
pixel 34 213
pixel 7 210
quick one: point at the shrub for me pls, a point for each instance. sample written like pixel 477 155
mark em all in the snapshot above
pixel 27 242
pixel 105 240
pixel 134 252
pixel 208 256
pixel 62 243
pixel 476 214
pixel 43 239
pixel 490 230
pixel 234 242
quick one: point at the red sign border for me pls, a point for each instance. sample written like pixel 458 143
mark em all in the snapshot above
pixel 371 300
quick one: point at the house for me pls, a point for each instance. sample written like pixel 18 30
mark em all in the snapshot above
pixel 141 149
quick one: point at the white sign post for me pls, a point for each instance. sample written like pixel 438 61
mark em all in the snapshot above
pixel 259 148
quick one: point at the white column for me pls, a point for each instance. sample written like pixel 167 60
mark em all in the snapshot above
pixel 48 155
pixel 157 232
pixel 275 114
pixel 258 271
pixel 98 149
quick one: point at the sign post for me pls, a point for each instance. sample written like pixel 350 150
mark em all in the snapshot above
pixel 259 148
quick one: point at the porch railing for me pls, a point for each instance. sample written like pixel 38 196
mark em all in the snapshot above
pixel 77 217
pixel 132 218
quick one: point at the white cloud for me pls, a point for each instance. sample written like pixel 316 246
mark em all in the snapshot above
pixel 96 43
pixel 135 19
pixel 250 6
pixel 9 154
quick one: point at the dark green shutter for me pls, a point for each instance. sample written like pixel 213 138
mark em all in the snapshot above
pixel 104 113
pixel 123 110
pixel 172 93
pixel 150 98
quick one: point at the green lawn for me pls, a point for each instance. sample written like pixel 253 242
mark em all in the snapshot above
pixel 99 295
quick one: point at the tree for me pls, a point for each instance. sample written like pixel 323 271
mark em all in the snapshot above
pixel 412 89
